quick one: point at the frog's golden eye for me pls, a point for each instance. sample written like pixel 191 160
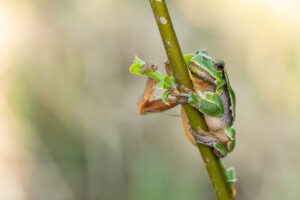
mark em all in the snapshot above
pixel 219 66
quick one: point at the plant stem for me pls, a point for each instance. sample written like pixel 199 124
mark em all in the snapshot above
pixel 182 77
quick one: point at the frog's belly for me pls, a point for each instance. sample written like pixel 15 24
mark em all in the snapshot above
pixel 216 123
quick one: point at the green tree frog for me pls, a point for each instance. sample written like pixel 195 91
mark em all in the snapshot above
pixel 212 96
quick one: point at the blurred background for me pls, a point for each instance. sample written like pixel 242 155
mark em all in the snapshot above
pixel 69 126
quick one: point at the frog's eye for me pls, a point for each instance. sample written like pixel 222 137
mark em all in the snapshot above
pixel 219 66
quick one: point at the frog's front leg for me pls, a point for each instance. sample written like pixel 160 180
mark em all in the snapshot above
pixel 210 103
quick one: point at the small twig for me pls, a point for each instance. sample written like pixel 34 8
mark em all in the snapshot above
pixel 181 77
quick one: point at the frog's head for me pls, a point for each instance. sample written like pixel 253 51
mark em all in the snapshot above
pixel 209 69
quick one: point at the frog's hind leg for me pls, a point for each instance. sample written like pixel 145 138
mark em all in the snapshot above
pixel 216 139
pixel 187 127
pixel 194 137
pixel 205 139
pixel 148 103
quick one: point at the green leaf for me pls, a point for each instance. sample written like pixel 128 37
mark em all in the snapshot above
pixel 160 84
pixel 228 173
pixel 165 82
pixel 156 75
pixel 168 81
pixel 231 175
pixel 136 67
pixel 165 96
pixel 138 60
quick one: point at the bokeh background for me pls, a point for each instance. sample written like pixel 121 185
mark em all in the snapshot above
pixel 69 128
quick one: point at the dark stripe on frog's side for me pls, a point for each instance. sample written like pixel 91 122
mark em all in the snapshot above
pixel 232 96
pixel 227 101
pixel 201 73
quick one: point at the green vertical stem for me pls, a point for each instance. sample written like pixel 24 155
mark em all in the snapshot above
pixel 181 77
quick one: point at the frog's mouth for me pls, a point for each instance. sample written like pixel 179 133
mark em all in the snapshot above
pixel 202 74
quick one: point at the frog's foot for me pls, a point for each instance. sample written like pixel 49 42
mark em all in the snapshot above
pixel 204 139
pixel 185 89
pixel 211 139
pixel 183 97
pixel 149 67
pixel 174 91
